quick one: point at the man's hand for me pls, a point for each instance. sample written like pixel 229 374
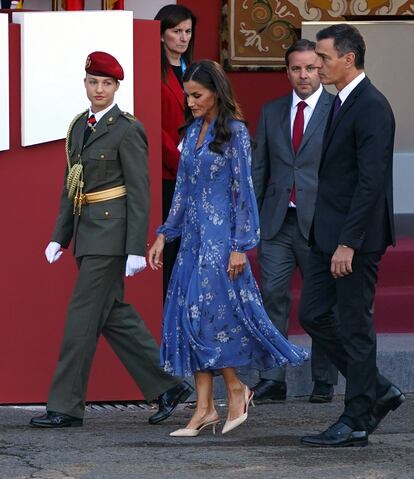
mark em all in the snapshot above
pixel 53 251
pixel 341 261
pixel 135 264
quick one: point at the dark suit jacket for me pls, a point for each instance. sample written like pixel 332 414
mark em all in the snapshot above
pixel 114 155
pixel 172 111
pixel 275 167
pixel 354 205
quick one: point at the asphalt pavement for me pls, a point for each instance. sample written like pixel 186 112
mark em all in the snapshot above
pixel 116 442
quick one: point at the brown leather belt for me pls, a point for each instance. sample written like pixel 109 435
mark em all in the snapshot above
pixel 104 195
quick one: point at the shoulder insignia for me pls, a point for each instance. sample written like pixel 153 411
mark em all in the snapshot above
pixel 128 116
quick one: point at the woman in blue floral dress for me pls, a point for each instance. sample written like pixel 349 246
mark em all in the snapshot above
pixel 214 320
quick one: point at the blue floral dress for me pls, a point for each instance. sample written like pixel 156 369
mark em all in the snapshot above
pixel 212 322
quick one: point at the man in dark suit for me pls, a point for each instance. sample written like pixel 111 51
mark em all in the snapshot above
pixel 352 227
pixel 285 177
pixel 104 212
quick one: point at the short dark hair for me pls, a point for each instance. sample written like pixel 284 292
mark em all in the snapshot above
pixel 170 16
pixel 302 45
pixel 346 39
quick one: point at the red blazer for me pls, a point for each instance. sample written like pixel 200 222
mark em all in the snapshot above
pixel 172 111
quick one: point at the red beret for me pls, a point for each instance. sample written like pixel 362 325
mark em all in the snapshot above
pixel 103 64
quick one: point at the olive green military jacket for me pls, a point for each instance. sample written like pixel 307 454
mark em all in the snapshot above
pixel 115 154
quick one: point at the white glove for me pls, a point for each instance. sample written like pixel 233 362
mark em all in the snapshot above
pixel 135 264
pixel 53 251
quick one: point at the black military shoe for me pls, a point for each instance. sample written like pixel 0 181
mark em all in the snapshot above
pixel 337 435
pixel 321 393
pixel 269 390
pixel 56 419
pixel 169 400
pixel 390 401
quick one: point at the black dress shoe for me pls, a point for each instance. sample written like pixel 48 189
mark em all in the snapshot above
pixel 390 401
pixel 321 393
pixel 337 435
pixel 56 419
pixel 169 400
pixel 269 390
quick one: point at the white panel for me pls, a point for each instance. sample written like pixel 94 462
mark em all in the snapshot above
pixel 141 8
pixel 403 183
pixel 54 47
pixel 146 9
pixel 388 64
pixel 4 83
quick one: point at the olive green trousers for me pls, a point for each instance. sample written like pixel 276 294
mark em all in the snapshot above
pixel 97 307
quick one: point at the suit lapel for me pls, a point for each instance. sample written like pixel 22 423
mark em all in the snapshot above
pixel 321 108
pixel 347 105
pixel 285 124
pixel 76 140
pixel 81 131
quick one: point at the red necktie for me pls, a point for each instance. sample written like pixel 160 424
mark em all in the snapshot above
pixel 90 126
pixel 91 120
pixel 297 134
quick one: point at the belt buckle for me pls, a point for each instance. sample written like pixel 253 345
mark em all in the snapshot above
pixel 80 199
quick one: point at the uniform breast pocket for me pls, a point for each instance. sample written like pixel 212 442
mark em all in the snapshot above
pixel 103 161
pixel 107 210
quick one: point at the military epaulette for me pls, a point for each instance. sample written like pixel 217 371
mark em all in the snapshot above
pixel 128 116
pixel 84 113
pixel 74 120
pixel 79 116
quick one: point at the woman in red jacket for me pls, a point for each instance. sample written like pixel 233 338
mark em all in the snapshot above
pixel 177 40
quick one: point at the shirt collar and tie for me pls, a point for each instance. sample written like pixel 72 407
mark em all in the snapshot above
pixel 92 120
pixel 101 113
pixel 347 90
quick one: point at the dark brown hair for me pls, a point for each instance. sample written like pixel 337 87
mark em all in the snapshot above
pixel 211 75
pixel 346 39
pixel 170 16
pixel 302 45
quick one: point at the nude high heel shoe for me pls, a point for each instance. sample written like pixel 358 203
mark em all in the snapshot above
pixel 232 424
pixel 188 432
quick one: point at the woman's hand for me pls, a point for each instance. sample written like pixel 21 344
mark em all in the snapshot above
pixel 237 263
pixel 154 253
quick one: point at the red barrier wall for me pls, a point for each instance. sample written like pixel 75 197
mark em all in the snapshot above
pixel 35 294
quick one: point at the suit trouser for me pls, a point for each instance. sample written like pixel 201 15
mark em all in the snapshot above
pixel 348 338
pixel 170 249
pixel 278 260
pixel 96 307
